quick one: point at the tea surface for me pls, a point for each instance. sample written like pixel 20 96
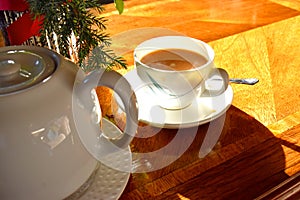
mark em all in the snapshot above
pixel 174 59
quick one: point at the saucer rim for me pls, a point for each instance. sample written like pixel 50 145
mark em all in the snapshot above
pixel 228 95
pixel 205 120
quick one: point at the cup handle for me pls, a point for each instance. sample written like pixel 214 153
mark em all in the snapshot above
pixel 223 76
pixel 120 85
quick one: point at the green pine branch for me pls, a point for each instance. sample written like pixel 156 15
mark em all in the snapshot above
pixel 64 17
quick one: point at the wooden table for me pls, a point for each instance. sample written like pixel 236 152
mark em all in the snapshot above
pixel 260 143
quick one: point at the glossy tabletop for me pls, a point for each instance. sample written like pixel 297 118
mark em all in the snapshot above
pixel 259 147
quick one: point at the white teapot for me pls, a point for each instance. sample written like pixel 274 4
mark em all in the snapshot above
pixel 50 123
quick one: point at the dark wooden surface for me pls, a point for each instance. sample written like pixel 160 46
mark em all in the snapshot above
pixel 260 143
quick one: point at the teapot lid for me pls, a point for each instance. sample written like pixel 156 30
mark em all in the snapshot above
pixel 22 67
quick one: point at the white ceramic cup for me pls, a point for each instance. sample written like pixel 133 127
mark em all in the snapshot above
pixel 176 89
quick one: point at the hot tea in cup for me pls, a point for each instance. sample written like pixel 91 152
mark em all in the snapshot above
pixel 173 59
pixel 176 69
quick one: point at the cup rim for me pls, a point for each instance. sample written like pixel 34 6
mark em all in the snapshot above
pixel 211 55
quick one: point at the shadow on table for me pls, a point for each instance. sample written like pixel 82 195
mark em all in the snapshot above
pixel 247 161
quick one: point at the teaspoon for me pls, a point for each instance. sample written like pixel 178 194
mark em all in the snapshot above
pixel 247 81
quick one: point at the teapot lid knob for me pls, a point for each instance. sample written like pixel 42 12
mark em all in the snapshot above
pixel 9 67
pixel 22 67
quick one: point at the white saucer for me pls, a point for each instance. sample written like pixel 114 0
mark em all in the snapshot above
pixel 110 183
pixel 201 111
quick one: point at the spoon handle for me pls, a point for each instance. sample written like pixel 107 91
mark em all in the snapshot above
pixel 248 81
